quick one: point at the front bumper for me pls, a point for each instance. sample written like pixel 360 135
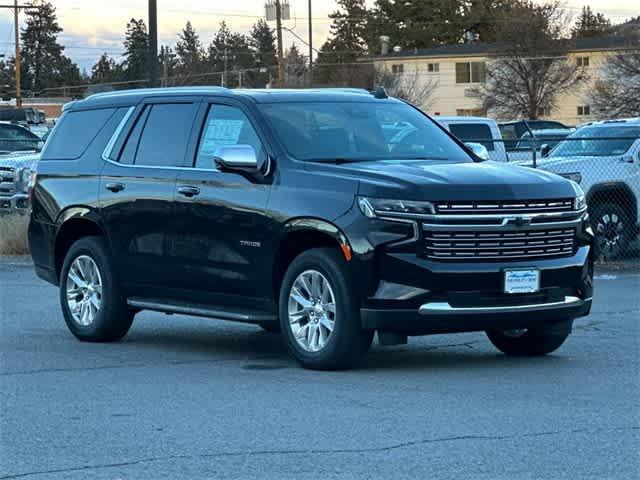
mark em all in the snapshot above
pixel 18 202
pixel 442 317
pixel 439 297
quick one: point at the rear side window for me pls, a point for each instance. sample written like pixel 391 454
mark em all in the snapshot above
pixel 75 132
pixel 165 134
pixel 473 132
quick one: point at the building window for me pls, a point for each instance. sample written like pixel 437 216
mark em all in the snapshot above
pixel 544 112
pixel 582 61
pixel 433 67
pixel 470 72
pixel 584 110
pixel 397 68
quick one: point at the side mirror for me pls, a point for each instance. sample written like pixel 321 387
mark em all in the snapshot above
pixel 544 150
pixel 236 157
pixel 478 149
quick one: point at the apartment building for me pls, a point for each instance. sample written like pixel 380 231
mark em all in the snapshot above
pixel 454 70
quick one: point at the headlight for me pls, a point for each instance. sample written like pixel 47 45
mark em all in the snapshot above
pixel 580 202
pixel 379 207
pixel 22 179
pixel 573 176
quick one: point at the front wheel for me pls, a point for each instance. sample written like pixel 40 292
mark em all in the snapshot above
pixel 613 230
pixel 319 313
pixel 530 342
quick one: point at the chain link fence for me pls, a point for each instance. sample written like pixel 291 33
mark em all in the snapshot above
pixel 606 166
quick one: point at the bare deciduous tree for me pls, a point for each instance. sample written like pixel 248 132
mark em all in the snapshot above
pixel 616 92
pixel 409 86
pixel 526 77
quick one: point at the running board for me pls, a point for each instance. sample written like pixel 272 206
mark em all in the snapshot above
pixel 200 310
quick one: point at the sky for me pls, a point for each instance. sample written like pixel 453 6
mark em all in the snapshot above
pixel 95 26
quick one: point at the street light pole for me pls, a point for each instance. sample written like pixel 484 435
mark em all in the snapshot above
pixel 153 43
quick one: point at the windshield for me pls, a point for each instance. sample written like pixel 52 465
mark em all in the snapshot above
pixel 359 131
pixel 14 138
pixel 598 141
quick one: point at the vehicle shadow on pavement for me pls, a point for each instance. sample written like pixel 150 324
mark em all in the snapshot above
pixel 228 342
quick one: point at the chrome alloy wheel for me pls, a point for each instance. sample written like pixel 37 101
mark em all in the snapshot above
pixel 312 310
pixel 609 229
pixel 84 290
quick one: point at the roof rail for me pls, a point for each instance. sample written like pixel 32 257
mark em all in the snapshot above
pixel 156 91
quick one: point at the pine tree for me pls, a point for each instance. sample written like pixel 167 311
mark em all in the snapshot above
pixel 336 63
pixel 106 70
pixel 229 53
pixel 189 52
pixel 136 57
pixel 44 65
pixel 262 40
pixel 168 65
pixel 295 67
pixel 590 24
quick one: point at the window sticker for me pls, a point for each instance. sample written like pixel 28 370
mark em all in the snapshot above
pixel 221 132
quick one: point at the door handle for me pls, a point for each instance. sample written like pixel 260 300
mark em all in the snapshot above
pixel 115 187
pixel 188 191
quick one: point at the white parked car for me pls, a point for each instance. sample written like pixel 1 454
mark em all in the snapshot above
pixel 523 151
pixel 604 158
pixel 477 130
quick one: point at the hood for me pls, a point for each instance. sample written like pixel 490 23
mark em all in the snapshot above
pixel 18 161
pixel 434 181
pixel 572 164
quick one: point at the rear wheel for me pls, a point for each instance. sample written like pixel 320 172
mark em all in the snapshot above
pixel 92 304
pixel 532 341
pixel 612 229
pixel 319 313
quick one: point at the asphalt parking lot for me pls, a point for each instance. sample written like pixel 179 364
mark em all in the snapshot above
pixel 183 397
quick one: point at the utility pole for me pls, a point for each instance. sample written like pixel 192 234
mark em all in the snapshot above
pixel 280 52
pixel 310 44
pixel 153 43
pixel 16 31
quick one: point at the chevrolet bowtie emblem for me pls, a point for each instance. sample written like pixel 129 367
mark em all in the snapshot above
pixel 517 221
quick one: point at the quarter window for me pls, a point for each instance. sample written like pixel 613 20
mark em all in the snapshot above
pixel 165 135
pixel 225 125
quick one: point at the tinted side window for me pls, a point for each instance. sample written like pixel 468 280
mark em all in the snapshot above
pixel 75 132
pixel 225 125
pixel 473 132
pixel 165 135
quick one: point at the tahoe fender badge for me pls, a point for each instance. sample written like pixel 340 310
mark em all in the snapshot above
pixel 249 243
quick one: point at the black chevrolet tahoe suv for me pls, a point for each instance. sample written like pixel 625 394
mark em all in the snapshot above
pixel 327 215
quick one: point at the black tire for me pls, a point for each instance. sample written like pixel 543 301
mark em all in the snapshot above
pixel 271 327
pixel 613 230
pixel 113 319
pixel 533 342
pixel 348 342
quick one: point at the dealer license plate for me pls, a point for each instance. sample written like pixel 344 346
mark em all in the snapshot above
pixel 521 281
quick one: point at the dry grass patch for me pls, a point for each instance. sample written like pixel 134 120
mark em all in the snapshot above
pixel 13 234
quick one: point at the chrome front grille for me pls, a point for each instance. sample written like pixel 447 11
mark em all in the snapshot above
pixel 7 180
pixel 504 207
pixel 499 245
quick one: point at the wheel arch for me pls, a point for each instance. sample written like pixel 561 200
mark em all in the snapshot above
pixel 74 224
pixel 302 234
